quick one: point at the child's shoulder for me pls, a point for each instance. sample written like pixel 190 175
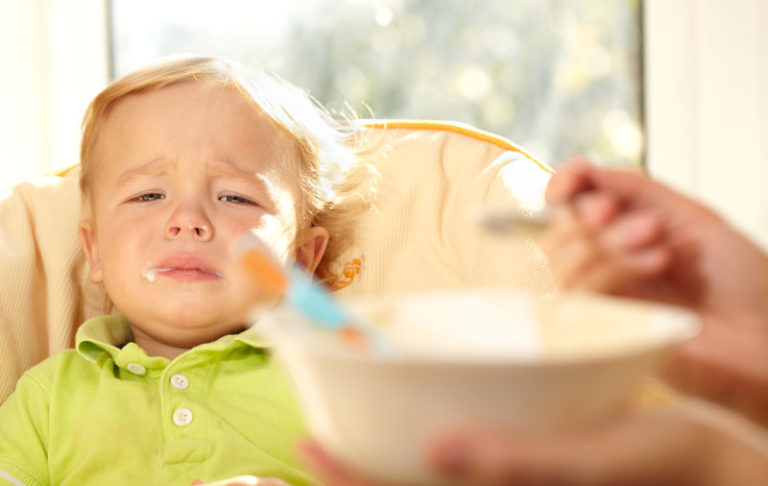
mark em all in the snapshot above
pixel 68 364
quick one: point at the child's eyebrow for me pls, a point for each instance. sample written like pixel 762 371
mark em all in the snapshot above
pixel 157 166
pixel 218 168
pixel 225 168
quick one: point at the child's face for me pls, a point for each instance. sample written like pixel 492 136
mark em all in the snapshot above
pixel 179 173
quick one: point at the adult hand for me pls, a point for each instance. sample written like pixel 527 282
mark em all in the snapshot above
pixel 663 447
pixel 329 470
pixel 622 233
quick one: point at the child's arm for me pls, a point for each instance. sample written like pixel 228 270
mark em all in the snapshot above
pixel 24 427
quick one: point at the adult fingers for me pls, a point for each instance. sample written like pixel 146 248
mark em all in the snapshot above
pixel 327 469
pixel 578 175
pixel 571 178
pixel 632 188
pixel 632 231
pixel 596 209
pixel 608 252
pixel 646 450
pixel 621 273
pixel 620 228
pixel 569 247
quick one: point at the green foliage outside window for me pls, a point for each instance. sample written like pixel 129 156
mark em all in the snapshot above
pixel 559 77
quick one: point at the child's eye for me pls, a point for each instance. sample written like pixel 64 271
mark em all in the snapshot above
pixel 232 198
pixel 150 196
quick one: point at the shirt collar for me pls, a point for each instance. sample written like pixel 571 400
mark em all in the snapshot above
pixel 110 336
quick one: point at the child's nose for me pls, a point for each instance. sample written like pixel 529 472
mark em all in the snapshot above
pixel 192 224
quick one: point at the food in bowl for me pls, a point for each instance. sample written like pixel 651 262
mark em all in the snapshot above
pixel 502 358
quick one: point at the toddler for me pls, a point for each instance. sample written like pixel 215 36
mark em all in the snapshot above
pixel 177 160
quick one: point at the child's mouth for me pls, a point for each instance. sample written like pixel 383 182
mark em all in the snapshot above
pixel 185 267
pixel 187 274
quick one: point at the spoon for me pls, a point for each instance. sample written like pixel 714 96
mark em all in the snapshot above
pixel 291 284
pixel 509 219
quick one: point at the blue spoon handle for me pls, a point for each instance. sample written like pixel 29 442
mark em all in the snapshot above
pixel 314 301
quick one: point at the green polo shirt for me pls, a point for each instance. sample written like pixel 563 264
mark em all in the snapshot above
pixel 105 413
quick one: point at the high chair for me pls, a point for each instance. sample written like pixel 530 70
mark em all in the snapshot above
pixel 422 234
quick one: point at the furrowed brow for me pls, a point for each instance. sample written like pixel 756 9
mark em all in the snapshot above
pixel 154 167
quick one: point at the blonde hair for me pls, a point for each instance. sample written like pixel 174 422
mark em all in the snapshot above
pixel 335 184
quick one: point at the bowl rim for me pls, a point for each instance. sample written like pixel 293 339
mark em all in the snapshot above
pixel 688 326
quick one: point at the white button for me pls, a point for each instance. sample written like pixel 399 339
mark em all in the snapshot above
pixel 182 417
pixel 136 369
pixel 179 381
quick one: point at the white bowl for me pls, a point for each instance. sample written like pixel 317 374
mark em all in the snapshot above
pixel 501 358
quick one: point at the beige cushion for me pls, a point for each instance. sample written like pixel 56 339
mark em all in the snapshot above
pixel 422 236
pixel 44 290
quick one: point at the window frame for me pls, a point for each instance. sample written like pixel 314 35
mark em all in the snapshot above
pixel 706 105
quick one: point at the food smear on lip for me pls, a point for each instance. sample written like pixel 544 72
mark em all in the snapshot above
pixel 150 274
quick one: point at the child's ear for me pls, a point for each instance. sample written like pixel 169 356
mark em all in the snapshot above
pixel 311 248
pixel 88 239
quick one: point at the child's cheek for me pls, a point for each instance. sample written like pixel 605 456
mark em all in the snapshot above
pixel 279 235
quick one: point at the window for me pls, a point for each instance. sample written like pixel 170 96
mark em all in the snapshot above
pixel 559 76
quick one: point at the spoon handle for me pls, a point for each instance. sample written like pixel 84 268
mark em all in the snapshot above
pixel 509 220
pixel 292 285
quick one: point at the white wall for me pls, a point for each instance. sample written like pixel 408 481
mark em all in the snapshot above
pixel 707 104
pixel 54 60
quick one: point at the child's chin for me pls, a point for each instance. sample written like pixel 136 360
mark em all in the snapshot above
pixel 198 334
pixel 192 317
